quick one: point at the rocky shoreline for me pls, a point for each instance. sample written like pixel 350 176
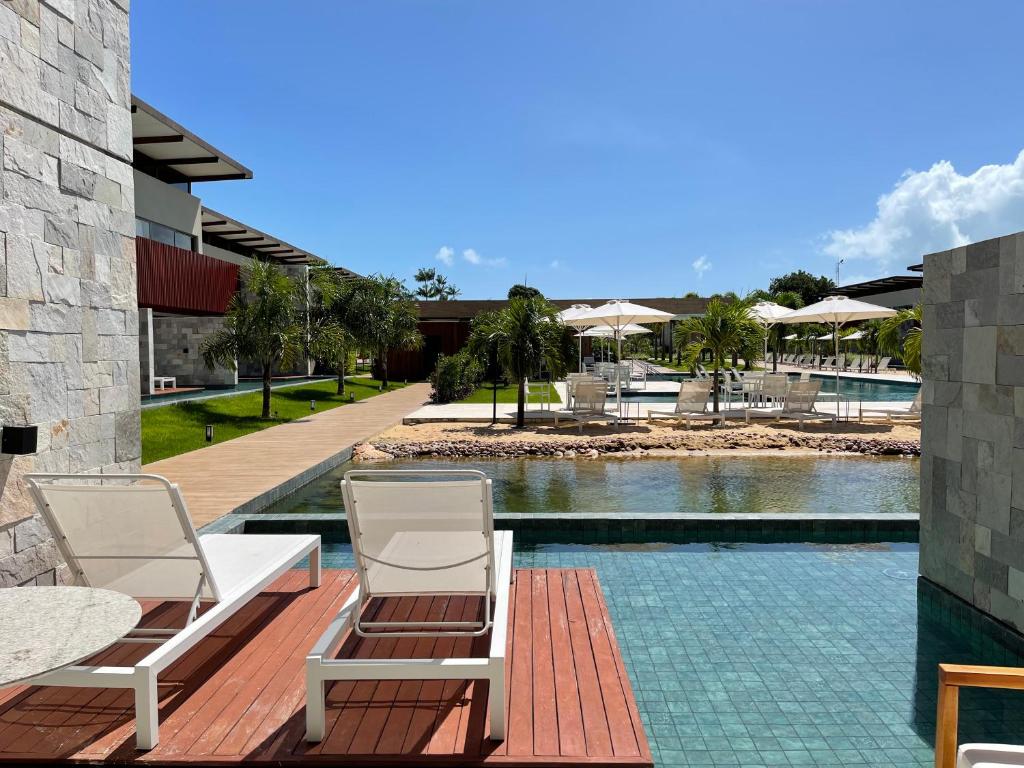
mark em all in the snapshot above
pixel 639 445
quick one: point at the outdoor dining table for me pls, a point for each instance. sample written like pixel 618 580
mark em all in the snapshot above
pixel 43 629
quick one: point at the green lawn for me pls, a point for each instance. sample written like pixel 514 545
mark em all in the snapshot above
pixel 505 395
pixel 669 364
pixel 181 427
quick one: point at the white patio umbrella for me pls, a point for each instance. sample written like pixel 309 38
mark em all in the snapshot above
pixel 836 310
pixel 632 329
pixel 767 313
pixel 571 318
pixel 617 314
pixel 790 337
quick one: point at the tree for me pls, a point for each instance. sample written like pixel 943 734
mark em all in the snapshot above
pixel 523 292
pixel 691 295
pixel 328 337
pixel 383 317
pixel 725 328
pixel 433 285
pixel 262 325
pixel 522 336
pixel 900 336
pixel 810 288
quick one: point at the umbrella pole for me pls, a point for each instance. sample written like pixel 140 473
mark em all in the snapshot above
pixel 618 370
pixel 835 339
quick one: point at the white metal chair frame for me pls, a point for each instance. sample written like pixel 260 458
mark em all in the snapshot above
pixel 322 667
pixel 142 676
pixel 689 407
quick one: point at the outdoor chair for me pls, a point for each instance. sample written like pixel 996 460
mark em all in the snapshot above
pixel 801 398
pixel 589 402
pixel 953 677
pixel 424 535
pixel 883 365
pixel 691 405
pixel 136 537
pixel 894 414
pixel 539 392
pixel 773 388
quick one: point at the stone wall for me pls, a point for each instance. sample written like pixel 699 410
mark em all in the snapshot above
pixel 972 462
pixel 176 345
pixel 68 317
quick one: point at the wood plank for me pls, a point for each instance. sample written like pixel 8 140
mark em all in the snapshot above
pixel 520 709
pixel 545 715
pixel 595 723
pixel 571 740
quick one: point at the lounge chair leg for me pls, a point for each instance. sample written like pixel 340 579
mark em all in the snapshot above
pixel 316 707
pixel 314 568
pixel 496 702
pixel 147 717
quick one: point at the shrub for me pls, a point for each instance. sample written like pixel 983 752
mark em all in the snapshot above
pixel 455 377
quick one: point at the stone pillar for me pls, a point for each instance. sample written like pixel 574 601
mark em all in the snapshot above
pixel 972 440
pixel 68 314
pixel 146 350
pixel 177 345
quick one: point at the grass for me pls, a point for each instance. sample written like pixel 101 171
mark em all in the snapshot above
pixel 181 427
pixel 505 395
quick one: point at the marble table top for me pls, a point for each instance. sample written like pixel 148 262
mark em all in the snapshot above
pixel 43 629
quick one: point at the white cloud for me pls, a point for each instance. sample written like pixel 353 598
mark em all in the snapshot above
pixel 933 210
pixel 701 265
pixel 476 259
pixel 445 254
pixel 555 264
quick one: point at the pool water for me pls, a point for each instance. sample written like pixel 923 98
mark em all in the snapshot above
pixel 651 486
pixel 779 655
pixel 243 386
pixel 854 389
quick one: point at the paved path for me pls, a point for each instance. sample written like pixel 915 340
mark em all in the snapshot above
pixel 249 472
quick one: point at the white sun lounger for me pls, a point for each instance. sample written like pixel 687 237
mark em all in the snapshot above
pixel 895 414
pixel 800 405
pixel 136 537
pixel 589 403
pixel 691 405
pixel 422 534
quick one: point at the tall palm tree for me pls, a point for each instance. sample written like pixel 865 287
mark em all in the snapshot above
pixel 522 336
pixel 726 327
pixel 328 337
pixel 383 318
pixel 263 325
pixel 900 336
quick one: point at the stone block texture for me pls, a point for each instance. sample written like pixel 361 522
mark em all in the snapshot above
pixel 68 313
pixel 972 441
pixel 177 340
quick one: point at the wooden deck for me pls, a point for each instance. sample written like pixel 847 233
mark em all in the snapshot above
pixel 239 696
pixel 221 478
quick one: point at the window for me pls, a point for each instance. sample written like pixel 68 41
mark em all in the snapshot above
pixel 164 234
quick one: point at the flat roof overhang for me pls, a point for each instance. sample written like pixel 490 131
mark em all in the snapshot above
pixel 882 285
pixel 161 142
pixel 223 231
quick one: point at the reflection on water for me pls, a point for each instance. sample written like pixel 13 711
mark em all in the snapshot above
pixel 665 485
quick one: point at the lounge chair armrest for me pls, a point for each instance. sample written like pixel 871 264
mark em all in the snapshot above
pixel 964 675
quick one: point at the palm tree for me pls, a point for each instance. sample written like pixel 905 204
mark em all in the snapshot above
pixel 383 318
pixel 262 325
pixel 726 327
pixel 522 336
pixel 900 336
pixel 328 337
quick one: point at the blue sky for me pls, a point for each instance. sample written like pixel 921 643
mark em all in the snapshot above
pixel 602 149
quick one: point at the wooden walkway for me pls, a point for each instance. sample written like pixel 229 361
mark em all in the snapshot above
pixel 222 478
pixel 238 697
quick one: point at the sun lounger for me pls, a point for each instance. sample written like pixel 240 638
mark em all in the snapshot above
pixel 691 405
pixel 800 405
pixel 589 403
pixel 895 414
pixel 883 365
pixel 135 536
pixel 953 677
pixel 422 534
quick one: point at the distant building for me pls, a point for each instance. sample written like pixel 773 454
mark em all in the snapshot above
pixel 896 291
pixel 445 327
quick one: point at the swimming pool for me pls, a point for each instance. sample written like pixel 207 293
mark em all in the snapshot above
pixel 659 485
pixel 243 386
pixel 854 389
pixel 782 655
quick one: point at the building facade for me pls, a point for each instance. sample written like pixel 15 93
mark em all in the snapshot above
pixel 68 315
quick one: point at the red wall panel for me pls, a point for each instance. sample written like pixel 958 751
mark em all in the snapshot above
pixel 175 280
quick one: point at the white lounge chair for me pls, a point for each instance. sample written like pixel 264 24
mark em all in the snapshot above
pixel 953 677
pixel 136 537
pixel 883 365
pixel 895 414
pixel 691 405
pixel 589 403
pixel 800 404
pixel 419 534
